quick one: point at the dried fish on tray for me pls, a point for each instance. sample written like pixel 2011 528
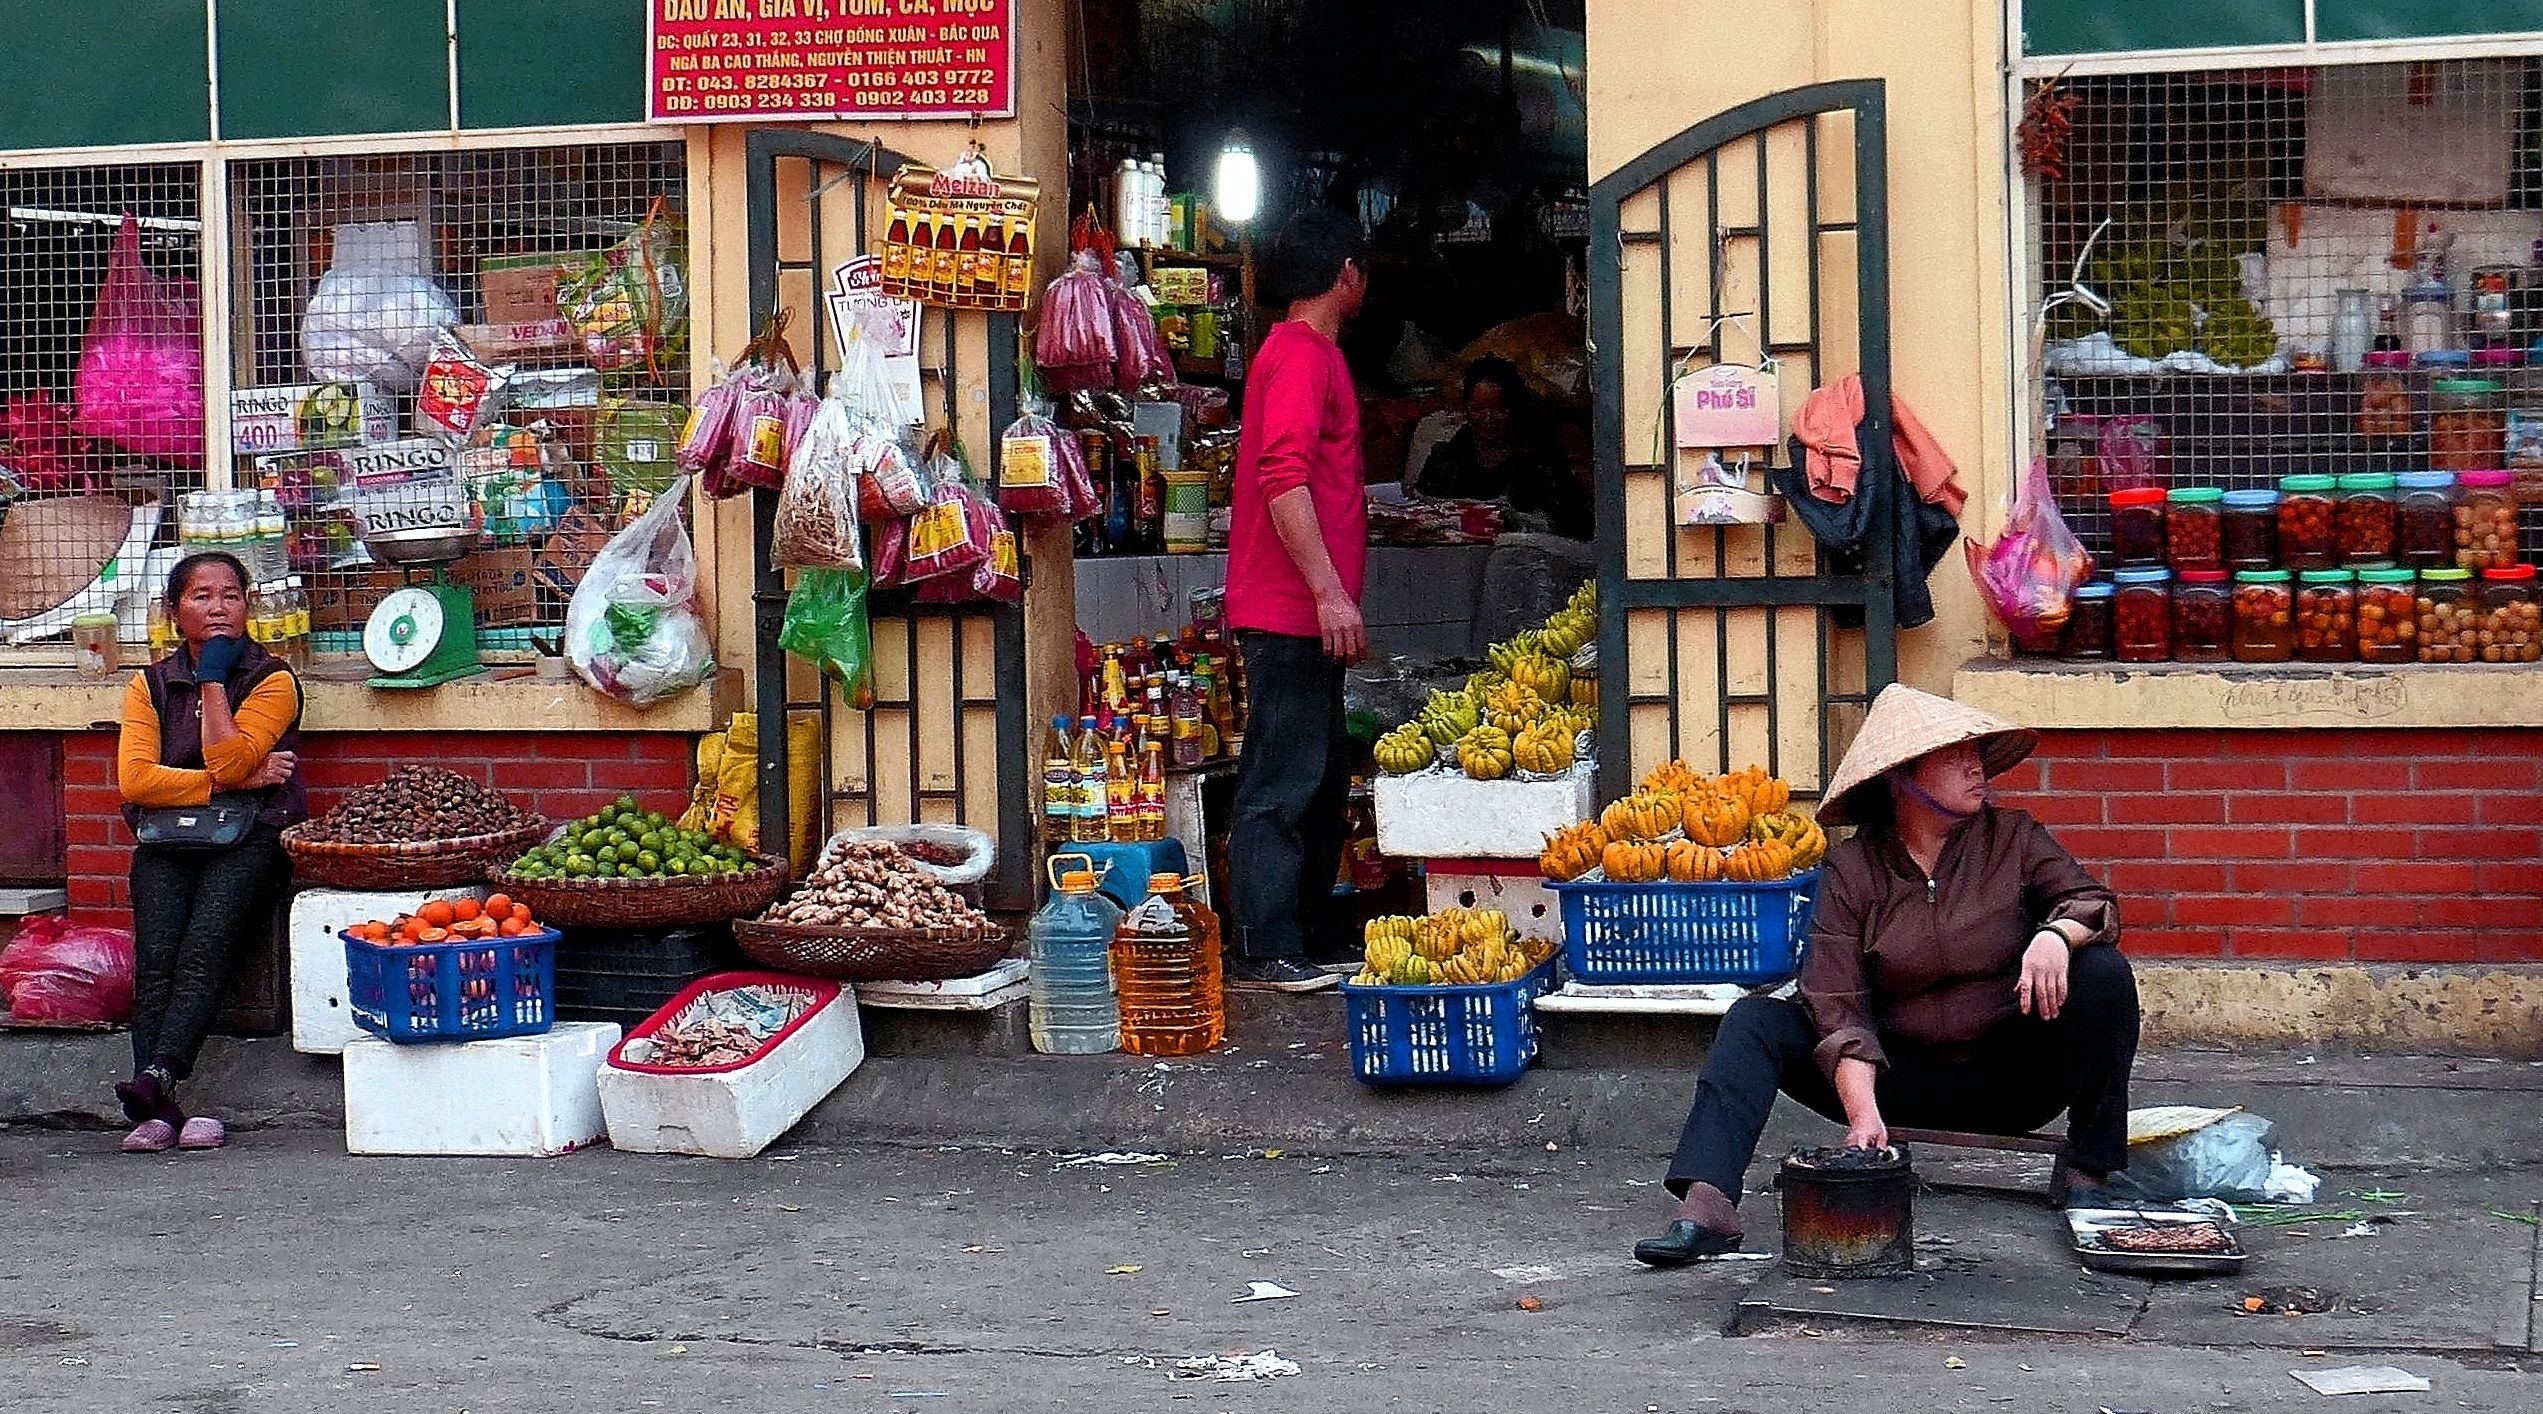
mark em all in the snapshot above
pixel 721 1028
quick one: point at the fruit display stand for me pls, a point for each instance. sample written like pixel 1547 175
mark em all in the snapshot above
pixel 522 1097
pixel 734 1110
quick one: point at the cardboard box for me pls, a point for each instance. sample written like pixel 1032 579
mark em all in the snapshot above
pixel 345 600
pixel 529 340
pixel 568 553
pixel 303 417
pixel 507 596
pixel 521 289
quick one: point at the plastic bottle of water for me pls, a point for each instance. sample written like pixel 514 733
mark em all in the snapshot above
pixel 1073 1009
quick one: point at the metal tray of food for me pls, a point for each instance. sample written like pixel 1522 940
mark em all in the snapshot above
pixel 2174 1241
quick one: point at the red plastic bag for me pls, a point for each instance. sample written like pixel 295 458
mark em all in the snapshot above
pixel 140 379
pixel 998 575
pixel 1073 337
pixel 2028 576
pixel 54 974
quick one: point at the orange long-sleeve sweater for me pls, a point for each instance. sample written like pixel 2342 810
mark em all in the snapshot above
pixel 262 719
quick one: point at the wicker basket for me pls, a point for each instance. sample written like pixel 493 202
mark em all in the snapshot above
pixel 675 902
pixel 873 954
pixel 428 864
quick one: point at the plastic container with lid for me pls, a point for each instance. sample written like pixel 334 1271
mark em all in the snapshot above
pixel 2193 528
pixel 1166 966
pixel 2511 621
pixel 2136 525
pixel 2251 529
pixel 2087 635
pixel 1073 1011
pixel 2485 520
pixel 2307 537
pixel 2365 518
pixel 2327 616
pixel 2384 398
pixel 2264 616
pixel 2467 424
pixel 2424 534
pixel 2449 617
pixel 2203 617
pixel 2141 614
pixel 2388 616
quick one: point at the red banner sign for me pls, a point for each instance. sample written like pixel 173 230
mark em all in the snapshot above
pixel 725 61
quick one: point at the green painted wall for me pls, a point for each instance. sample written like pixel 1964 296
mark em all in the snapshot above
pixel 539 63
pixel 2117 26
pixel 82 75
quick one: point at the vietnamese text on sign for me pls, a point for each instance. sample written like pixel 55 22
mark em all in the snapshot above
pixel 758 60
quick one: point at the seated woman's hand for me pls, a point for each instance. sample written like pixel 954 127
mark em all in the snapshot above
pixel 2041 992
pixel 1868 1132
pixel 275 769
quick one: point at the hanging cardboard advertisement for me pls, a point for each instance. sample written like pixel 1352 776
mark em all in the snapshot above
pixel 856 301
pixel 961 238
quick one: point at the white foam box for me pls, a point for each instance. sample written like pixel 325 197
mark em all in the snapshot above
pixel 1517 889
pixel 733 1114
pixel 518 1097
pixel 321 1016
pixel 1446 815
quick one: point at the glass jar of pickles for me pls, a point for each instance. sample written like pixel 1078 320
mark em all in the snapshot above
pixel 2251 529
pixel 2364 522
pixel 2307 539
pixel 2136 525
pixel 2449 617
pixel 2327 616
pixel 2388 616
pixel 2485 520
pixel 2203 617
pixel 2424 532
pixel 2467 424
pixel 2193 528
pixel 2510 619
pixel 2264 616
pixel 2088 628
pixel 2141 614
pixel 2384 398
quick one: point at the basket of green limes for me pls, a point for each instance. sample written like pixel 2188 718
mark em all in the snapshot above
pixel 624 866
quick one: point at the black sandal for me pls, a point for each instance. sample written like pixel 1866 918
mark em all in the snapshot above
pixel 1686 1241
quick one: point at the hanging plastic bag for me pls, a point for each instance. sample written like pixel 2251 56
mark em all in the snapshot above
pixel 54 974
pixel 1139 351
pixel 632 630
pixel 1034 479
pixel 826 625
pixel 2028 576
pixel 140 379
pixel 878 454
pixel 631 301
pixel 375 313
pixel 461 392
pixel 816 521
pixel 1073 336
pixel 998 576
pixel 706 440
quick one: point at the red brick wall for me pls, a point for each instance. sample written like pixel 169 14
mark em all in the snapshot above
pixel 2305 846
pixel 561 775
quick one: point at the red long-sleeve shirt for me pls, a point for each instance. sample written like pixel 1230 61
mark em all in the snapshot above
pixel 1302 428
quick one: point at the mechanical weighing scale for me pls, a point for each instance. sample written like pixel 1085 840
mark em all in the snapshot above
pixel 422 634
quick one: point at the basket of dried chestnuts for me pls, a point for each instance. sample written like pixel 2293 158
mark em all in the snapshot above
pixel 421 828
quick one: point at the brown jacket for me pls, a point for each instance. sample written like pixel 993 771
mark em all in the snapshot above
pixel 1927 966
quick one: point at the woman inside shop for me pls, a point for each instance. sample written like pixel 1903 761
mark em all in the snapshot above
pixel 216 723
pixel 1964 973
pixel 1506 452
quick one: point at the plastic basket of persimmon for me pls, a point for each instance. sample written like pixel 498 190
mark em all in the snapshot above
pixel 454 970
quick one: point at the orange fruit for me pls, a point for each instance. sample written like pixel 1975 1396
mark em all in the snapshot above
pixel 375 932
pixel 513 928
pixel 499 906
pixel 463 909
pixel 520 913
pixel 433 935
pixel 438 914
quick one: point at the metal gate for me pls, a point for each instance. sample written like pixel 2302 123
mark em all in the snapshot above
pixel 946 739
pixel 1761 232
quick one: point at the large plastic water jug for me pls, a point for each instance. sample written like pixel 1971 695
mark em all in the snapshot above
pixel 1165 957
pixel 1073 1008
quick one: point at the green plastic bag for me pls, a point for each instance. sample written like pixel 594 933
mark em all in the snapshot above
pixel 826 625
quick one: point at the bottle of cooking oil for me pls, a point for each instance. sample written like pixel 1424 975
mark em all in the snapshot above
pixel 1094 814
pixel 1171 999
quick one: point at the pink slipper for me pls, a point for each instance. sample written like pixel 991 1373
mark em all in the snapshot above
pixel 203 1132
pixel 152 1136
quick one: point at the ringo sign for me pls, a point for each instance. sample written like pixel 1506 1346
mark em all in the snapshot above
pixel 723 61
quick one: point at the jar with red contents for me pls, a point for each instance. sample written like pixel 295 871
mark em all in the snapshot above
pixel 2486 520
pixel 2141 614
pixel 2327 616
pixel 2511 622
pixel 2136 525
pixel 2307 540
pixel 2365 519
pixel 2193 528
pixel 2424 534
pixel 2264 616
pixel 2203 617
pixel 2088 623
pixel 2388 616
pixel 2251 530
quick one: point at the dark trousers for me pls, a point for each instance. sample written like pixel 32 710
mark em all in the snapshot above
pixel 1292 784
pixel 2018 1078
pixel 189 911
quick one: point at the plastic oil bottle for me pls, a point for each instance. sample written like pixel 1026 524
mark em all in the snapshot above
pixel 1059 785
pixel 1086 753
pixel 1171 999
pixel 1073 1008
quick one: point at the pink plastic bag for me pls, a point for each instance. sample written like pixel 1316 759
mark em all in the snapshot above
pixel 140 380
pixel 1073 337
pixel 53 974
pixel 2028 576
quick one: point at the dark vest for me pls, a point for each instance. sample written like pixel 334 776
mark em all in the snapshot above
pixel 179 702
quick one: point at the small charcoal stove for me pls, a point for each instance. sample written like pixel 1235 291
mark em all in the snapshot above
pixel 1849 1212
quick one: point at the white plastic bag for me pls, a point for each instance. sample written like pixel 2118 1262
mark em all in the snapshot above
pixel 816 521
pixel 375 313
pixel 632 630
pixel 978 848
pixel 2227 1158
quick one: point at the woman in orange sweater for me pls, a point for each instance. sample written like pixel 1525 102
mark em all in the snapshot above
pixel 218 716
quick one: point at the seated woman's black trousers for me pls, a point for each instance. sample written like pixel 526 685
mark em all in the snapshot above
pixel 2015 1080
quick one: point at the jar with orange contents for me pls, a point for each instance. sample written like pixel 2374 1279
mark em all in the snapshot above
pixel 2327 616
pixel 2142 614
pixel 2485 521
pixel 2307 539
pixel 2264 616
pixel 2388 616
pixel 2511 622
pixel 2365 518
pixel 2449 617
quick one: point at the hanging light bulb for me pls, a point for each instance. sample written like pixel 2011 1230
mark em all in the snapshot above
pixel 1240 181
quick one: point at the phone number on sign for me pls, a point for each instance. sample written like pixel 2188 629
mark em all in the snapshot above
pixel 924 98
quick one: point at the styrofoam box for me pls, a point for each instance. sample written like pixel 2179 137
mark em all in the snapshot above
pixel 518 1097
pixel 733 1114
pixel 1445 815
pixel 321 1016
pixel 1534 910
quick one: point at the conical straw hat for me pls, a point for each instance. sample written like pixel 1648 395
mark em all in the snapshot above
pixel 1905 724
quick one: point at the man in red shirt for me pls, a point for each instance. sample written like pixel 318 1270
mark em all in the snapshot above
pixel 1296 553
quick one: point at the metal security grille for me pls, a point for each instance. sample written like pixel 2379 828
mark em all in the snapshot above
pixel 2255 235
pixel 68 482
pixel 347 265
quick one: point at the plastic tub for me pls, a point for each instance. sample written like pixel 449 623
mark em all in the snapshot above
pixel 1752 934
pixel 1476 1035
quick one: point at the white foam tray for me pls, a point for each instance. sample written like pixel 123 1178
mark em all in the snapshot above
pixel 733 1114
pixel 1447 815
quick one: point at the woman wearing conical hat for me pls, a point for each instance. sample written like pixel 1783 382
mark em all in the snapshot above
pixel 1964 973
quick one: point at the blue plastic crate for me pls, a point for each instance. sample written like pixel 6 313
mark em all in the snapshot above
pixel 458 991
pixel 1621 934
pixel 1444 1035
